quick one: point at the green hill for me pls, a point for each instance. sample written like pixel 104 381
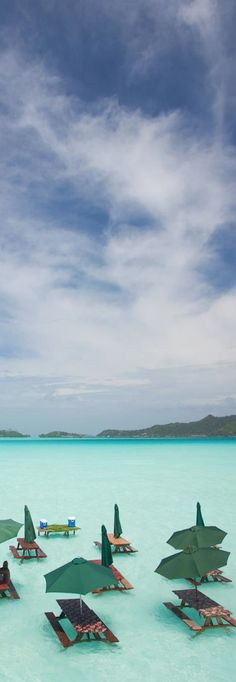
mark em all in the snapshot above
pixel 61 434
pixel 209 427
pixel 10 433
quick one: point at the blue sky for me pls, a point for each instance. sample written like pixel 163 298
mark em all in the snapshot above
pixel 117 279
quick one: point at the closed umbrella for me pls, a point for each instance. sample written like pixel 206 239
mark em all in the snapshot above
pixel 30 534
pixel 197 536
pixel 199 519
pixel 192 562
pixel 9 529
pixel 79 576
pixel 117 524
pixel 106 549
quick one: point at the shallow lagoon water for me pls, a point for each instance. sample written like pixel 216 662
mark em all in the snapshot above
pixel 157 485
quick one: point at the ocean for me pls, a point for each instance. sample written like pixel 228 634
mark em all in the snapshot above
pixel 156 484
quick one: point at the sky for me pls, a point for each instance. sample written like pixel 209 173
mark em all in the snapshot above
pixel 117 193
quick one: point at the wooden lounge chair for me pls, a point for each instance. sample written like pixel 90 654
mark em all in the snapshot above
pixel 123 583
pixel 208 609
pixel 57 528
pixel 8 588
pixel 216 576
pixel 86 623
pixel 119 545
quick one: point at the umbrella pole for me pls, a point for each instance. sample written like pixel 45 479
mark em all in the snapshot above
pixel 81 608
pixel 196 593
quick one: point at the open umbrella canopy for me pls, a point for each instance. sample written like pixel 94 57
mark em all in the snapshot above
pixel 192 563
pixel 8 529
pixel 106 549
pixel 197 536
pixel 79 576
pixel 117 524
pixel 199 519
pixel 30 534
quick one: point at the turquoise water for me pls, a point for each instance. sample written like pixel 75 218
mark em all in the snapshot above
pixel 157 485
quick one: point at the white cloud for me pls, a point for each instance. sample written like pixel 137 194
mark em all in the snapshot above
pixel 205 20
pixel 104 310
pixel 97 387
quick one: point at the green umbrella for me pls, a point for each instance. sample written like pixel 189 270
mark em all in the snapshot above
pixel 197 536
pixel 79 576
pixel 106 549
pixel 192 563
pixel 8 529
pixel 117 525
pixel 30 534
pixel 199 519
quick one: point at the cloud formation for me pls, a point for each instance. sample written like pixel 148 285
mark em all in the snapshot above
pixel 118 312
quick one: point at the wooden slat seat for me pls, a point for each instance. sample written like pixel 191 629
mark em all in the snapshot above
pixel 123 583
pixel 62 636
pixel 9 587
pixel 230 620
pixel 41 554
pixel 15 552
pixel 178 612
pixel 13 593
pixel 4 587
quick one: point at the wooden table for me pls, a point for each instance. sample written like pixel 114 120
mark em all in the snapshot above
pixel 57 528
pixel 213 613
pixel 119 545
pixel 27 550
pixel 86 623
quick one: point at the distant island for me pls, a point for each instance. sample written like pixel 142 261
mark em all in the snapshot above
pixel 209 427
pixel 10 433
pixel 61 434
